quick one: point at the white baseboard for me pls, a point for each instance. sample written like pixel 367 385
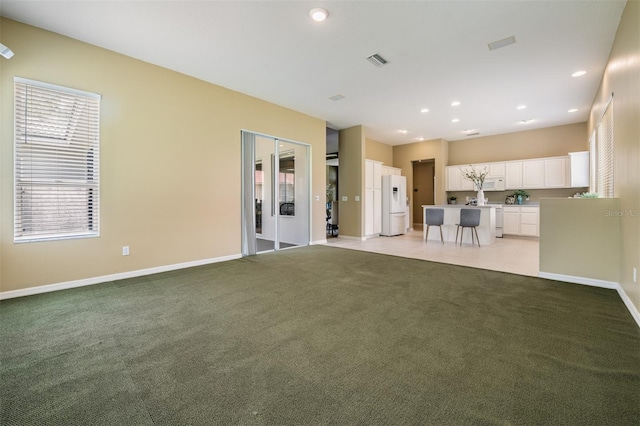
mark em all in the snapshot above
pixel 578 280
pixel 113 277
pixel 633 310
pixel 313 243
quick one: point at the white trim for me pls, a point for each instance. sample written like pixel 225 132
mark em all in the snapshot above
pixel 106 278
pixel 71 90
pixel 313 243
pixel 633 310
pixel 629 304
pixel 579 280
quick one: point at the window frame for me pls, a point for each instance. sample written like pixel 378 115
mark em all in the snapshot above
pixel 61 177
pixel 602 181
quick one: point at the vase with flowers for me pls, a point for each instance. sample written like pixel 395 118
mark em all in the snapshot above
pixel 477 177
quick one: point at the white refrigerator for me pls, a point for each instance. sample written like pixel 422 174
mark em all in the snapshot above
pixel 394 200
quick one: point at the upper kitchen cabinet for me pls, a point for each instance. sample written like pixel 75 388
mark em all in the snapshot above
pixel 579 169
pixel 456 181
pixel 570 171
pixel 513 175
pixel 373 174
pixel 556 172
pixel 533 174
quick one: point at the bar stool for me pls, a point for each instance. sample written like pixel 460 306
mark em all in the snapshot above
pixel 434 217
pixel 469 218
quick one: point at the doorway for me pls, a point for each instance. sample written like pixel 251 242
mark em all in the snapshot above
pixel 276 194
pixel 423 187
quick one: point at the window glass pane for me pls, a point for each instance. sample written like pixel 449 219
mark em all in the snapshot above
pixel 56 162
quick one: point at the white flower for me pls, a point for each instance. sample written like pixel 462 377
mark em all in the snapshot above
pixel 475 176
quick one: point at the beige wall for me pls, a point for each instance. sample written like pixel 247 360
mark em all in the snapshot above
pixel 436 150
pixel 351 181
pixel 622 77
pixel 378 151
pixel 170 166
pixel 538 143
pixel 579 237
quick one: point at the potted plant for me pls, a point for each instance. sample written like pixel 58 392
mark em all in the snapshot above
pixel 452 199
pixel 520 195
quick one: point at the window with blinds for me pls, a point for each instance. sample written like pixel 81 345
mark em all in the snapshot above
pixel 57 162
pixel 603 158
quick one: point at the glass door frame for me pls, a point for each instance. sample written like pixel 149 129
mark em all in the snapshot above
pixel 248 207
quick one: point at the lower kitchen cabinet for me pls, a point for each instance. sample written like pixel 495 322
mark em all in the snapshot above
pixel 521 220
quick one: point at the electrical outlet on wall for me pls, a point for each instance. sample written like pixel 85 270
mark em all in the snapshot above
pixel 344 198
pixel 125 250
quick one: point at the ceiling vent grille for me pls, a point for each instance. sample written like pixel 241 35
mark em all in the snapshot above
pixel 377 60
pixel 473 134
pixel 502 43
pixel 337 97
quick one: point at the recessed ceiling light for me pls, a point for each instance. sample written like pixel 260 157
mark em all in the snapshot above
pixel 578 74
pixel 424 110
pixel 573 110
pixel 404 131
pixel 521 107
pixel 420 138
pixel 525 121
pixel 455 103
pixel 319 14
pixel 469 130
pixel 455 120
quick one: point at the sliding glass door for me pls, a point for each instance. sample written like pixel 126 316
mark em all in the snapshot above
pixel 276 200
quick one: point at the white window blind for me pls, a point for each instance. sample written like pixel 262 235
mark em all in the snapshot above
pixel 604 154
pixel 57 162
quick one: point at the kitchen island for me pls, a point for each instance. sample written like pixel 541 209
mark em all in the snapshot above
pixel 486 229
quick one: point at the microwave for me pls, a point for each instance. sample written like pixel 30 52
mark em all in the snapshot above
pixel 493 184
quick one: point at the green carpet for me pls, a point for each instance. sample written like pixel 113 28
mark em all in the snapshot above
pixel 321 336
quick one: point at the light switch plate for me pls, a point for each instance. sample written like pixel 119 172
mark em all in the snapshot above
pixel 357 198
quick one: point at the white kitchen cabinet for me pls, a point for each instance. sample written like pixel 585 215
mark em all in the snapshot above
pixel 529 221
pixel 453 176
pixel 511 220
pixel 373 198
pixel 555 172
pixel 579 169
pixel 533 174
pixel 521 220
pixel 455 181
pixel 465 184
pixel 497 170
pixel 368 211
pixel 494 170
pixel 377 207
pixel 391 171
pixel 373 174
pixel 513 175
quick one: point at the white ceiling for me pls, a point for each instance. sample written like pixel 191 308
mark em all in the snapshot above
pixel 437 53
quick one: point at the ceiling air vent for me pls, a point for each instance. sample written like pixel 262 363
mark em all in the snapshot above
pixel 473 134
pixel 502 43
pixel 377 60
pixel 336 97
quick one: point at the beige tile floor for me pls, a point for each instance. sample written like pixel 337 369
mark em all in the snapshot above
pixel 509 254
